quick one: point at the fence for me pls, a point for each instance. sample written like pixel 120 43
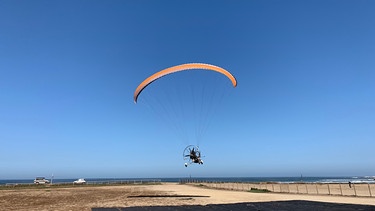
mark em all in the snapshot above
pixel 339 189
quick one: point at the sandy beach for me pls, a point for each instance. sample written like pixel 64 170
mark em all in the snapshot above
pixel 165 194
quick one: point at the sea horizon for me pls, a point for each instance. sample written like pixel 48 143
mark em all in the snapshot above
pixel 319 179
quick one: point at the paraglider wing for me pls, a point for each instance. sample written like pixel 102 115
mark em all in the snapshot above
pixel 182 67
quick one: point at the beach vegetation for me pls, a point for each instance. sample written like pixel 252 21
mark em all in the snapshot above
pixel 68 185
pixel 257 190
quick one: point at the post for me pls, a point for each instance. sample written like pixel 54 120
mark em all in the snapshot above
pixel 329 191
pixel 355 191
pixel 316 186
pixel 341 189
pixel 307 190
pixel 288 188
pixel 297 188
pixel 369 189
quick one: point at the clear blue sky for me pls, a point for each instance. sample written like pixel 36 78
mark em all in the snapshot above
pixel 305 101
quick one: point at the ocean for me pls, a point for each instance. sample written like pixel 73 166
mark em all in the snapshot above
pixel 363 179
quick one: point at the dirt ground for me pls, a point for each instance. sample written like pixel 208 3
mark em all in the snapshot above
pixel 167 194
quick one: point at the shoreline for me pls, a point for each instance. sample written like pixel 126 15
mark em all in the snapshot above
pixel 328 179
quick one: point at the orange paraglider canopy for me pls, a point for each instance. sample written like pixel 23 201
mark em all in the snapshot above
pixel 182 67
